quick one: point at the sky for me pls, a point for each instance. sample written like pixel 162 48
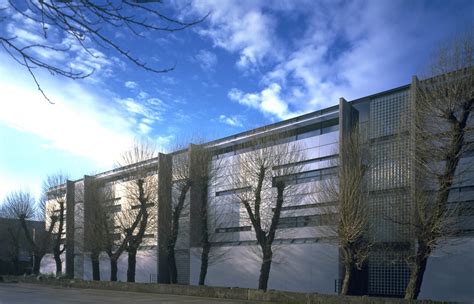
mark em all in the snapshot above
pixel 248 64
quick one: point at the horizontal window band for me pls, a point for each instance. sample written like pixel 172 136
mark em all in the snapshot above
pixel 307 206
pixel 233 229
pixel 305 177
pixel 306 221
pixel 320 128
pixel 233 191
pixel 277 241
pixel 309 161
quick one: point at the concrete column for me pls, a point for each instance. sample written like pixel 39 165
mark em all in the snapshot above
pixel 195 196
pixel 78 230
pixel 70 229
pixel 348 119
pixel 88 200
pixel 164 214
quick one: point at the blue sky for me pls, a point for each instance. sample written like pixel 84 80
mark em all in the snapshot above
pixel 249 64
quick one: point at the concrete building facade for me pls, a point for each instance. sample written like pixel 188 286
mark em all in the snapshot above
pixel 306 250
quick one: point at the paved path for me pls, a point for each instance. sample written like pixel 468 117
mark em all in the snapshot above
pixel 21 293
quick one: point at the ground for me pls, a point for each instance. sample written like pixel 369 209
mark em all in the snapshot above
pixel 20 293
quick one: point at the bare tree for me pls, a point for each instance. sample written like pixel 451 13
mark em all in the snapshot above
pixel 66 26
pixel 441 117
pixel 265 178
pixel 181 184
pixel 141 192
pixel 21 205
pixel 204 170
pixel 54 201
pixel 114 246
pixel 99 231
pixel 348 216
pixel 11 237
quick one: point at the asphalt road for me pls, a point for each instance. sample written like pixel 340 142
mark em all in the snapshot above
pixel 39 294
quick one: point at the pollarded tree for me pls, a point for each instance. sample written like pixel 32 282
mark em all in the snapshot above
pixel 204 170
pixel 181 184
pixel 58 29
pixel 265 179
pixel 54 200
pixel 141 193
pixel 21 205
pixel 348 216
pixel 99 231
pixel 441 128
pixel 11 237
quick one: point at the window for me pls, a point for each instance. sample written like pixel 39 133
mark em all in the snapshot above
pixel 115 208
pixel 115 199
pixel 284 137
pixel 306 221
pixel 308 134
pixel 233 229
pixel 307 206
pixel 305 177
pixel 307 162
pixel 233 191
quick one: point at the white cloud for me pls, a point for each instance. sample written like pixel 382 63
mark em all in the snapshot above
pixel 131 84
pixel 144 128
pixel 18 183
pixel 268 101
pixel 79 123
pixel 151 108
pixel 340 49
pixel 143 95
pixel 207 60
pixel 61 51
pixel 234 121
pixel 240 27
pixel 163 142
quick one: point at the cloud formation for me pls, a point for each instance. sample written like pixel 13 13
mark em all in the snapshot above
pixel 131 84
pixel 55 48
pixel 240 27
pixel 207 59
pixel 332 49
pixel 268 101
pixel 234 121
pixel 76 124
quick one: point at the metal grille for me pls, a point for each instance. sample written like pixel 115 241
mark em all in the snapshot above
pixel 388 273
pixel 389 182
pixel 390 164
pixel 389 114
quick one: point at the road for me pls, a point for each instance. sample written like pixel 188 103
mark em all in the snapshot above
pixel 21 293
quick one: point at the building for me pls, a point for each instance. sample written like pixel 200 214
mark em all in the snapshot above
pixel 308 256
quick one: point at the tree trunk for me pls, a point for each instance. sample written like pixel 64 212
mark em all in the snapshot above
pixel 205 244
pixel 36 264
pixel 206 248
pixel 57 241
pixel 172 266
pixel 347 279
pixel 132 263
pixel 16 266
pixel 265 268
pixel 95 260
pixel 113 270
pixel 417 272
pixel 59 265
